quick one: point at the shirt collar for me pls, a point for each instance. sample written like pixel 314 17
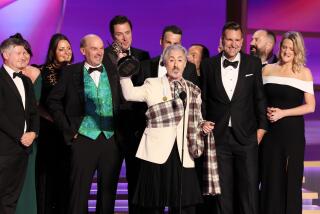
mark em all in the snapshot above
pixel 87 66
pixel 237 58
pixel 9 70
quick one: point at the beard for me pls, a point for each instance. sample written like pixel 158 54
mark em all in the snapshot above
pixel 253 50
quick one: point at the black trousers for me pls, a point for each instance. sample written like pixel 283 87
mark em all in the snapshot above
pixel 52 171
pixel 87 156
pixel 12 174
pixel 238 171
pixel 132 173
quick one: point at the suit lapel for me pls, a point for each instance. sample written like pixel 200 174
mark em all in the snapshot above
pixel 155 66
pixel 26 91
pixel 78 81
pixel 218 78
pixel 134 53
pixel 113 80
pixel 241 77
pixel 11 84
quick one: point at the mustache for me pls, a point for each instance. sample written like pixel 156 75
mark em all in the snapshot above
pixel 253 50
pixel 253 47
pixel 175 69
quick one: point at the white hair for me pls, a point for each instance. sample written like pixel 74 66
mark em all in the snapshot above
pixel 171 48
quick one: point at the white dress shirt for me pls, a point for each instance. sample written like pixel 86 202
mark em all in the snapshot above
pixel 229 77
pixel 19 84
pixel 95 75
pixel 162 71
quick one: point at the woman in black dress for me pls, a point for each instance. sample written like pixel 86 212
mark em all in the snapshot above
pixel 53 153
pixel 289 89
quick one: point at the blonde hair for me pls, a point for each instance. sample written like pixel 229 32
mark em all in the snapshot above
pixel 299 50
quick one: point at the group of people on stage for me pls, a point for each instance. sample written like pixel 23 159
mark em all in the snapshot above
pixel 198 135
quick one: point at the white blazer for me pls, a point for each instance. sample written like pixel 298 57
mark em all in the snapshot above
pixel 156 143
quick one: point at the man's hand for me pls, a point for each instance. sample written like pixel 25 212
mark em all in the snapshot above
pixel 28 138
pixel 260 134
pixel 207 127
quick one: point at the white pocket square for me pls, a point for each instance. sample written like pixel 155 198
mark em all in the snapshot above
pixel 248 75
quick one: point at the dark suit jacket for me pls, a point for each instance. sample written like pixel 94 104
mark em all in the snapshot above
pixel 13 115
pixel 273 59
pixel 66 100
pixel 132 114
pixel 150 69
pixel 247 107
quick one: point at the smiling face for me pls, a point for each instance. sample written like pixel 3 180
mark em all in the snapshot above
pixel 123 35
pixel 93 50
pixel 232 42
pixel 17 58
pixel 287 51
pixel 258 43
pixel 63 52
pixel 175 62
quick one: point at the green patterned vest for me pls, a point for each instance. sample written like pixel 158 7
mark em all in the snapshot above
pixel 98 107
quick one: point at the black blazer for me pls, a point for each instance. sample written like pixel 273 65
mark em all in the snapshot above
pixel 66 100
pixel 13 115
pixel 132 114
pixel 247 107
pixel 150 69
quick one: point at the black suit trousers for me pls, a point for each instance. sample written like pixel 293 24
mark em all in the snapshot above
pixel 12 175
pixel 238 171
pixel 87 156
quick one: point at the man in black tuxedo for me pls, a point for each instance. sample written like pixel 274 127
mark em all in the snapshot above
pixel 19 123
pixel 233 97
pixel 120 28
pixel 171 35
pixel 132 113
pixel 262 44
pixel 85 106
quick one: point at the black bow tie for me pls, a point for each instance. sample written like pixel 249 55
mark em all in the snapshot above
pixel 17 74
pixel 90 70
pixel 227 63
pixel 127 52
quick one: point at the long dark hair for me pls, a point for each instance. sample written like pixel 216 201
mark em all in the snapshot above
pixel 51 55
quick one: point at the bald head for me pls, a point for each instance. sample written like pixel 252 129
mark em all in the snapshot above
pixel 87 38
pixel 262 44
pixel 92 48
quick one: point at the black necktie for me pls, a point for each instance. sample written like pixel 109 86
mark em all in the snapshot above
pixel 90 70
pixel 227 63
pixel 17 74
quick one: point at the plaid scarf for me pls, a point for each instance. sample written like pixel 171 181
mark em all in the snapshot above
pixel 170 113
